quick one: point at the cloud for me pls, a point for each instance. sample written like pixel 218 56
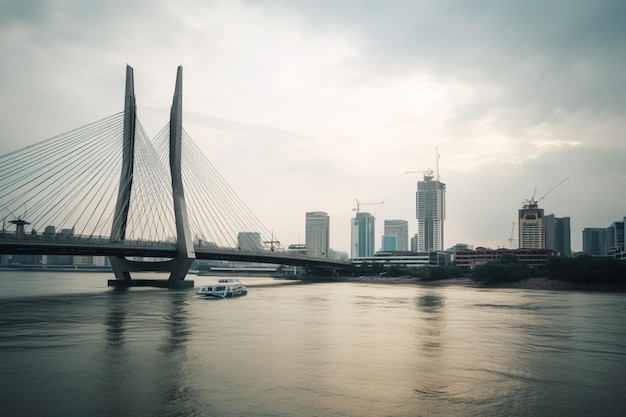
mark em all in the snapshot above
pixel 307 105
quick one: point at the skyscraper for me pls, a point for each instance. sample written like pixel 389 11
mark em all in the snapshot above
pixel 557 234
pixel 531 226
pixel 430 213
pixel 399 229
pixel 594 241
pixel 317 233
pixel 389 243
pixel 362 235
pixel 615 238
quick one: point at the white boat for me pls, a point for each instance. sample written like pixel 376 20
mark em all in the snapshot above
pixel 225 288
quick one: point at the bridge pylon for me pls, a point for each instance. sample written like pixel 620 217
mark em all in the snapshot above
pixel 185 253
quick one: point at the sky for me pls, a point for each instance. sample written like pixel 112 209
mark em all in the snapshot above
pixel 310 105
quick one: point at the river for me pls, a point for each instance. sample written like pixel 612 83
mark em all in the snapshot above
pixel 70 346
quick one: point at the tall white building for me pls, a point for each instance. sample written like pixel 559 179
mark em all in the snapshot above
pixel 317 233
pixel 531 233
pixel 430 213
pixel 362 235
pixel 399 229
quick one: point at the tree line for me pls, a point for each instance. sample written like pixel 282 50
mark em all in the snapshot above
pixel 583 269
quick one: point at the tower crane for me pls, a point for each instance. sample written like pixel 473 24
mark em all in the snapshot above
pixel 429 171
pixel 273 243
pixel 552 189
pixel 511 240
pixel 367 203
pixel 532 203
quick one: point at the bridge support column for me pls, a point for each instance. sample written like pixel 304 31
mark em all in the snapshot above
pixel 179 266
pixel 173 266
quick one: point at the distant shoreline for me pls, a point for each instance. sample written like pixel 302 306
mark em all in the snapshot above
pixel 528 284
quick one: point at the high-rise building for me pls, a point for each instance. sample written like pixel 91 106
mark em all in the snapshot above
pixel 399 229
pixel 531 226
pixel 430 213
pixel 362 235
pixel 317 233
pixel 605 241
pixel 249 241
pixel 557 234
pixel 615 238
pixel 594 241
pixel 389 243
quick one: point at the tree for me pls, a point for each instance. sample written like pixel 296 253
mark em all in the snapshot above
pixel 506 269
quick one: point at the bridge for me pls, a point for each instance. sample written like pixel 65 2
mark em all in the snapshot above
pixel 106 189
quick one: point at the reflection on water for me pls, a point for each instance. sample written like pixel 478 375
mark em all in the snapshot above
pixel 147 378
pixel 337 349
pixel 115 321
pixel 430 309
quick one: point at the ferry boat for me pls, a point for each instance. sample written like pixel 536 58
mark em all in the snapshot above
pixel 225 288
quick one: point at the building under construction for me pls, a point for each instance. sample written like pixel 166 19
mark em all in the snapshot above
pixel 430 213
pixel 531 221
pixel 531 226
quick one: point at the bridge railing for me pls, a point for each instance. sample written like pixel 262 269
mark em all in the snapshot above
pixel 63 239
pixel 69 239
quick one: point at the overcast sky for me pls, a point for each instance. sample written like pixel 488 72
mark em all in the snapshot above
pixel 309 105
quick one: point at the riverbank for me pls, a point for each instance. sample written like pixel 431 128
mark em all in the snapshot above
pixel 527 284
pixel 551 284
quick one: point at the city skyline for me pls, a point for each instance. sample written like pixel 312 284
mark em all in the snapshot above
pixel 313 104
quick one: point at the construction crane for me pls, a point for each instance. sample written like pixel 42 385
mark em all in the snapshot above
pixel 532 203
pixel 429 172
pixel 367 203
pixel 273 243
pixel 511 240
pixel 552 189
pixel 437 161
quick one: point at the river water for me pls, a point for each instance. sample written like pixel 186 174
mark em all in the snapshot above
pixel 70 346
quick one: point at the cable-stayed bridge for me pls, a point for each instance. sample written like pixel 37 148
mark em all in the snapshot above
pixel 108 189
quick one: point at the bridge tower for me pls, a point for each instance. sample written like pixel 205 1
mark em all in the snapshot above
pixel 185 253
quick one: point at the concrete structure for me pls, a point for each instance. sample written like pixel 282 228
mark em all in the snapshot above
pixel 531 226
pixel 430 213
pixel 615 238
pixel 400 229
pixel 82 260
pixel 405 259
pixel 297 248
pixel 249 241
pixel 609 241
pixel 557 234
pixel 594 241
pixel 317 233
pixel 185 252
pixel 467 258
pixel 389 243
pixel 362 235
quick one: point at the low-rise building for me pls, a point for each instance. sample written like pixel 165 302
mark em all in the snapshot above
pixel 468 258
pixel 405 258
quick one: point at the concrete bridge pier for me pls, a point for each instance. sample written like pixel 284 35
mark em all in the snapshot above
pixel 177 267
pixel 185 254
